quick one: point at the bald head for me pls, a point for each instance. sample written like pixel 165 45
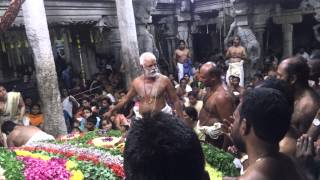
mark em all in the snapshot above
pixel 212 69
pixel 147 56
pixel 209 74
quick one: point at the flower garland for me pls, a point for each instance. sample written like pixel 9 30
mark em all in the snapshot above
pixel 95 156
pixel 42 167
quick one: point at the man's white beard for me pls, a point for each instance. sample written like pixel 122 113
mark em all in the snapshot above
pixel 152 73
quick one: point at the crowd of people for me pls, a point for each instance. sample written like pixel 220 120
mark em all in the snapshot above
pixel 270 122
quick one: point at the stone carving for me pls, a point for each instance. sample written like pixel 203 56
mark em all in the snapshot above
pixel 142 11
pixel 167 26
pixel 306 4
pixel 316 29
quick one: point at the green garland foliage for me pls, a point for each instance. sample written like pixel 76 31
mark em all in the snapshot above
pixel 13 168
pixel 220 160
pixel 95 172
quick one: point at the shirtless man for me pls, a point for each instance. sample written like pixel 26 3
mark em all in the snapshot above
pixel 295 72
pixel 218 104
pixel 23 135
pixel 235 88
pixel 236 55
pixel 153 88
pixel 182 58
pixel 254 133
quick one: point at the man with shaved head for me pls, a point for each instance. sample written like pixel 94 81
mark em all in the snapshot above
pixel 218 104
pixel 152 88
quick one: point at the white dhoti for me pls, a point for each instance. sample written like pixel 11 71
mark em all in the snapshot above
pixel 236 69
pixel 39 136
pixel 180 70
pixel 167 109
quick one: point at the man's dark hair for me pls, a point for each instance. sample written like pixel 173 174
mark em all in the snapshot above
pixel 160 147
pixel 86 99
pixel 236 36
pixel 7 127
pixel 235 77
pixel 298 66
pixel 191 112
pixel 193 94
pixel 183 79
pixel 106 99
pixel 92 119
pixel 182 41
pixel 281 86
pixel 268 112
pixel 87 108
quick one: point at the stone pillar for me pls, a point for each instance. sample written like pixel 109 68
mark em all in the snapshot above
pixel 287 22
pixel 35 21
pixel 259 32
pixel 287 32
pixel 129 41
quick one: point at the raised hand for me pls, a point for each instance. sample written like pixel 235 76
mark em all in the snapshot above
pixel 304 151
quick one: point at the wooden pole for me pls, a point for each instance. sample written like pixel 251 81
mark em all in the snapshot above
pixel 129 40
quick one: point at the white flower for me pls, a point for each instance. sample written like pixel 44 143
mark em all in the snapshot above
pixel 2 177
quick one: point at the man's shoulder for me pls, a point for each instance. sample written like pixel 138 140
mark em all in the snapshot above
pixel 273 168
pixel 308 99
pixel 164 78
pixel 222 95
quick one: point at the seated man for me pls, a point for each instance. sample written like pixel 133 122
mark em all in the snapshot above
pixel 162 147
pixel 18 135
pixel 260 122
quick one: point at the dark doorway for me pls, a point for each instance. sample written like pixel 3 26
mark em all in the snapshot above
pixel 303 35
pixel 206 43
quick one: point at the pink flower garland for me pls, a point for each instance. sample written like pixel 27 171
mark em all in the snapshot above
pixel 38 169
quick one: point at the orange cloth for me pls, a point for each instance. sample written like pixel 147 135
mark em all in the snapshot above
pixel 35 120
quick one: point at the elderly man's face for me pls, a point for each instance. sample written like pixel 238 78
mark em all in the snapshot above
pixel 150 68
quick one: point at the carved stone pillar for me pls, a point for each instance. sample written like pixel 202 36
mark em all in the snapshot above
pixel 287 32
pixel 259 32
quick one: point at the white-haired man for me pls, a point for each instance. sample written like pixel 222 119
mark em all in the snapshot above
pixel 152 88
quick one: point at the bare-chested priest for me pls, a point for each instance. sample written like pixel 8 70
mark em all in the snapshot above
pixel 152 88
pixel 182 59
pixel 218 105
pixel 295 72
pixel 236 55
